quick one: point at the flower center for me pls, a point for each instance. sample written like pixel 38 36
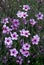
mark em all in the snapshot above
pixel 26 33
pixel 5 28
pixel 24 15
pixel 4 20
pixel 13 52
pixel 23 50
pixel 39 15
pixel 35 40
pixel 15 22
pixel 7 40
pixel 26 53
pixel 14 35
pixel 27 46
pixel 25 7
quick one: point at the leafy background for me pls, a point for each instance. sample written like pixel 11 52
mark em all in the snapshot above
pixel 9 8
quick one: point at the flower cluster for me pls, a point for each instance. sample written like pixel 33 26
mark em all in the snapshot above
pixel 17 33
pixel 24 32
pixel 25 50
pixel 22 14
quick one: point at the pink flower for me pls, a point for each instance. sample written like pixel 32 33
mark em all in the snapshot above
pixel 8 41
pixel 26 7
pixel 24 21
pixel 15 22
pixel 5 21
pixel 39 16
pixel 25 52
pixel 13 52
pixel 26 46
pixel 35 39
pixel 14 36
pixel 14 27
pixel 21 42
pixel 22 51
pixel 24 32
pixel 19 14
pixel 32 22
pixel 22 14
pixel 19 60
pixel 6 29
pixel 25 15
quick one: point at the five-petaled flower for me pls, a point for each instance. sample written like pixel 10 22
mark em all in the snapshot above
pixel 5 21
pixel 32 22
pixel 13 52
pixel 26 7
pixel 22 14
pixel 6 29
pixel 8 41
pixel 35 39
pixel 26 46
pixel 14 36
pixel 24 32
pixel 39 16
pixel 25 52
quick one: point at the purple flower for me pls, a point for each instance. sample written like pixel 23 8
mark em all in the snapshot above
pixel 6 29
pixel 14 27
pixel 39 16
pixel 5 21
pixel 26 7
pixel 22 14
pixel 8 42
pixel 4 59
pixel 14 36
pixel 24 21
pixel 22 51
pixel 25 15
pixel 19 14
pixel 32 22
pixel 15 22
pixel 25 52
pixel 26 46
pixel 24 32
pixel 13 52
pixel 19 60
pixel 21 42
pixel 35 39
